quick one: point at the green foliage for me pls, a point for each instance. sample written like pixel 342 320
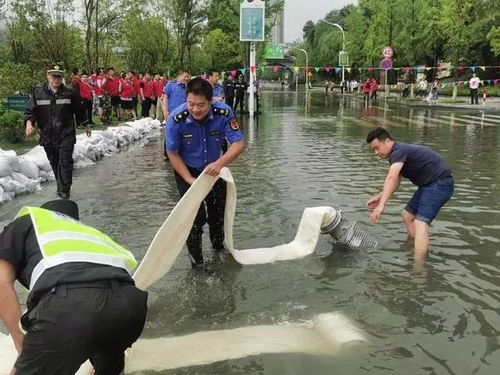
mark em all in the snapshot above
pixel 17 78
pixel 12 126
pixel 420 31
pixel 220 50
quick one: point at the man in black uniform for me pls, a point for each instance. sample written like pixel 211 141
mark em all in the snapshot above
pixel 241 90
pixel 82 304
pixel 229 90
pixel 53 107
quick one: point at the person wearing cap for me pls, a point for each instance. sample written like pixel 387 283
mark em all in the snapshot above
pixel 195 138
pixel 52 108
pixel 82 302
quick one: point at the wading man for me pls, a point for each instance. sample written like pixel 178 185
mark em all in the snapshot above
pixel 53 108
pixel 82 302
pixel 424 168
pixel 195 136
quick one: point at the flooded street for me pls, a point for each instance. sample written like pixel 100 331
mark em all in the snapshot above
pixel 311 151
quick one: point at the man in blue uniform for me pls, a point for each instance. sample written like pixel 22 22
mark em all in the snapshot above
pixel 195 134
pixel 213 78
pixel 175 93
pixel 424 168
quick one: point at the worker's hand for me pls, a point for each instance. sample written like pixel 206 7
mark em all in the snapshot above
pixel 165 116
pixel 13 371
pixel 88 131
pixel 30 129
pixel 373 202
pixel 377 212
pixel 213 169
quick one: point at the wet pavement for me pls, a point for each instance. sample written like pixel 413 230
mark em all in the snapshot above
pixel 310 151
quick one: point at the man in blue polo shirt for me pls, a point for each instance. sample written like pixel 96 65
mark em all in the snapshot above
pixel 195 134
pixel 424 168
pixel 213 78
pixel 175 93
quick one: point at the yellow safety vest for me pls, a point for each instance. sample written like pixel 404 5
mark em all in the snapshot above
pixel 64 240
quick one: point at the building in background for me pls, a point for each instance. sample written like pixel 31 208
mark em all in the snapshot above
pixel 278 29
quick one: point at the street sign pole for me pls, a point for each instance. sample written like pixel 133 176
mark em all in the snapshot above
pixel 252 27
pixel 251 97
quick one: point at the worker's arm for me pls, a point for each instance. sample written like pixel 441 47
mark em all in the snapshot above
pixel 180 167
pixel 165 106
pixel 30 116
pixel 10 310
pixel 235 149
pixel 391 184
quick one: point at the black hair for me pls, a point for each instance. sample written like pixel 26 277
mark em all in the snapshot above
pixel 182 71
pixel 84 73
pixel 379 133
pixel 202 87
pixel 75 71
pixel 110 68
pixel 211 72
pixel 123 75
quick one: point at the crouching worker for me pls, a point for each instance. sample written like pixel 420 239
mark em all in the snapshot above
pixel 82 301
pixel 424 168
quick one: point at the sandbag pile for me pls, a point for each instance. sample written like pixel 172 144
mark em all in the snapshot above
pixel 24 174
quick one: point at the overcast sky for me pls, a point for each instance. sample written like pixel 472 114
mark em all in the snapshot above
pixel 298 12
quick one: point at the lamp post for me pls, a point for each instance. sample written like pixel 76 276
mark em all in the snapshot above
pixel 307 67
pixel 343 43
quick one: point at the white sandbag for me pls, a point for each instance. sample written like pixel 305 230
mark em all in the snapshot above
pixel 28 168
pixel 38 156
pixel 7 184
pixel 26 185
pixel 5 168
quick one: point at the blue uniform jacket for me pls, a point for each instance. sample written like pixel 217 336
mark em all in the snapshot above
pixel 200 144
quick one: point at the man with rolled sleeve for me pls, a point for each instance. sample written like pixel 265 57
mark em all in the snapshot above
pixel 53 107
pixel 196 132
pixel 424 168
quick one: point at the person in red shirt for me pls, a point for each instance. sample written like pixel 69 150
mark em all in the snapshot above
pixel 112 85
pixel 373 88
pixel 147 94
pixel 367 89
pixel 158 92
pixel 127 95
pixel 86 93
pixel 75 81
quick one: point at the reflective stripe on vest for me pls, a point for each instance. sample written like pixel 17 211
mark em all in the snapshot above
pixel 64 240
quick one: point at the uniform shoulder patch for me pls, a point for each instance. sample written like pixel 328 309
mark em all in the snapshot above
pixel 234 124
pixel 221 111
pixel 181 116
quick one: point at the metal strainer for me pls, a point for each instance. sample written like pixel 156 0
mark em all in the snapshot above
pixel 348 234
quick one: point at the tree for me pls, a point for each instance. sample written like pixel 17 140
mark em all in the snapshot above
pixel 220 50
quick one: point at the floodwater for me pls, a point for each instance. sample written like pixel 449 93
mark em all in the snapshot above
pixel 310 151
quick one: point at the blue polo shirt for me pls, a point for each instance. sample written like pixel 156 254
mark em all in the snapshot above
pixel 422 165
pixel 218 91
pixel 200 144
pixel 176 93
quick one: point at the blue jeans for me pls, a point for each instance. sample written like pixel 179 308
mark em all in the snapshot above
pixel 428 200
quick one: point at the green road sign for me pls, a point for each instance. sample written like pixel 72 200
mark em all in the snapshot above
pixel 274 52
pixel 252 21
pixel 343 58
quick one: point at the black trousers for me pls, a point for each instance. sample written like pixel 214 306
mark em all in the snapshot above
pixel 474 96
pixel 215 203
pixel 146 107
pixel 239 102
pixel 230 101
pixel 76 322
pixel 87 107
pixel 61 161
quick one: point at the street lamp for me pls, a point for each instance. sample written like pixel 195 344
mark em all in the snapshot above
pixel 343 43
pixel 307 67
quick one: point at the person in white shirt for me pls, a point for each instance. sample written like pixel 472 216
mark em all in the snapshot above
pixel 474 87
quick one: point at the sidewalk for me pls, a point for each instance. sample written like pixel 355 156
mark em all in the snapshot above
pixel 492 104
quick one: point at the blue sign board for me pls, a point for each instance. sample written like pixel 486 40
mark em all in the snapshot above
pixel 252 24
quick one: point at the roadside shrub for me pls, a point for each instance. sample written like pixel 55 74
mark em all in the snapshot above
pixel 12 126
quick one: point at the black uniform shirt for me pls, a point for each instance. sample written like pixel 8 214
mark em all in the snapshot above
pixel 19 247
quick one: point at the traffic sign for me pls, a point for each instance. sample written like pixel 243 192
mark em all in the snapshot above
pixel 343 58
pixel 252 21
pixel 387 52
pixel 386 63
